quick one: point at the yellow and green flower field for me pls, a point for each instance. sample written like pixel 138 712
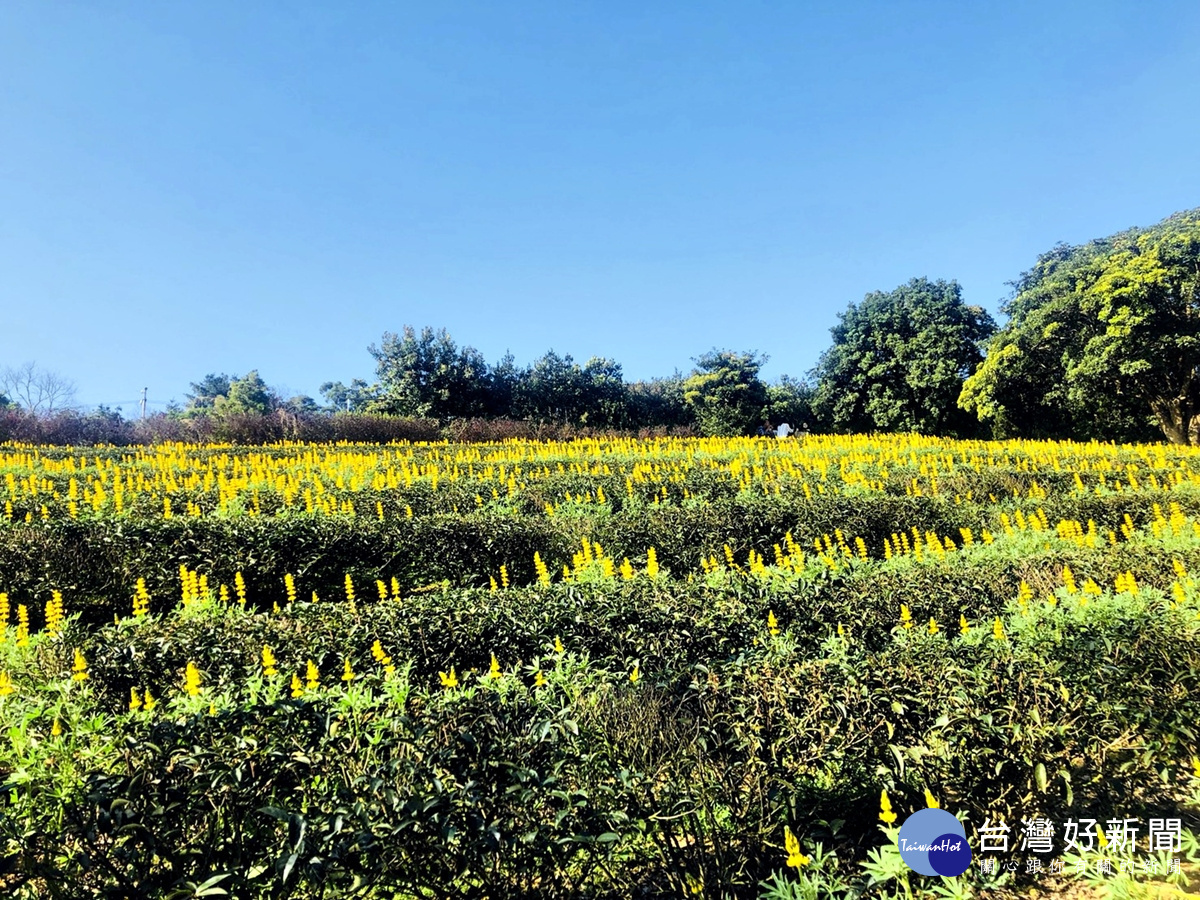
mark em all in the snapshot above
pixel 598 668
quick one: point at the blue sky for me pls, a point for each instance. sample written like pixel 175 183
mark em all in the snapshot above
pixel 220 186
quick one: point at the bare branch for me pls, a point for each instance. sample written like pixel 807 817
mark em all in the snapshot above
pixel 39 391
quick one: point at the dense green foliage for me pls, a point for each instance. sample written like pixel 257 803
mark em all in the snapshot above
pixel 1103 339
pixel 725 394
pixel 898 361
pixel 603 733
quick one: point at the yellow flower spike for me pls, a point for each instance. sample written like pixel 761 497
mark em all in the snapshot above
pixel 772 623
pixel 6 685
pixel 558 646
pixel 998 629
pixel 135 700
pixel 905 616
pixel 448 680
pixel 297 687
pixel 494 672
pixel 885 806
pixel 495 587
pixel 933 626
pixel 539 679
pixel 56 728
pixel 1069 579
pixel 79 669
pixel 1196 766
pixel 627 570
pixel 652 563
pixel 795 859
pixel 313 676
pixel 543 573
pixel 1101 837
pixel 841 631
pixel 148 702
pixel 141 599
pixel 191 680
pixel 22 625
pixel 930 800
pixel 635 675
pixel 268 661
pixel 347 672
pixel 963 625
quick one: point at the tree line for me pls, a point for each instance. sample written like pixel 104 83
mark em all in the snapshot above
pixel 1102 341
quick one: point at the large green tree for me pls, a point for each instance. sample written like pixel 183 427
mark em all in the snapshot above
pixel 899 359
pixel 1103 340
pixel 427 374
pixel 726 394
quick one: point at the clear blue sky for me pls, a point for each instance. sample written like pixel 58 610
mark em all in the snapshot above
pixel 219 186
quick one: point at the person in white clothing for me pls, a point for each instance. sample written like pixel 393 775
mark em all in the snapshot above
pixel 783 430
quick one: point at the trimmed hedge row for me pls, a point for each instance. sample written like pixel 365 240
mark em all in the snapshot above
pixel 96 563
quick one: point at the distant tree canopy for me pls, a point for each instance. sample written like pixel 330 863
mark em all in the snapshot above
pixel 725 393
pixel 224 395
pixel 899 359
pixel 354 397
pixel 1103 340
pixel 428 375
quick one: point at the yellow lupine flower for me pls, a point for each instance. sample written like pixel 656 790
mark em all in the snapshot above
pixel 494 672
pixel 135 700
pixel 347 672
pixel 930 800
pixel 635 674
pixel 772 624
pixel 905 616
pixel 963 625
pixel 297 687
pixel 268 661
pixel 449 680
pixel 998 629
pixel 148 703
pixel 795 859
pixel 313 676
pixel 192 680
pixel 79 669
pixel 885 806
pixel 1069 579
pixel 933 626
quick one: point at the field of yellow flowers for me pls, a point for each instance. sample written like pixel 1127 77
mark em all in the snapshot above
pixel 598 668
